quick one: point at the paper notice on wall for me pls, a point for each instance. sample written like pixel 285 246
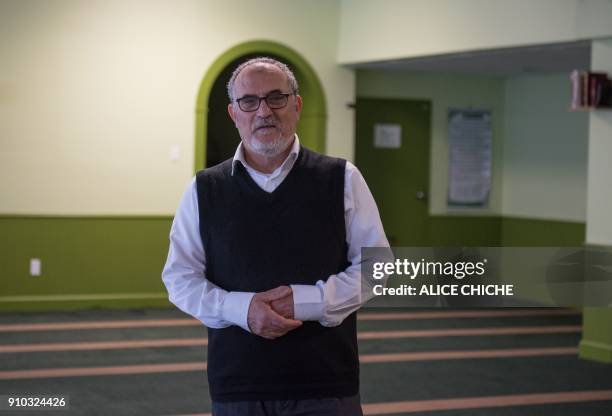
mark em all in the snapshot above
pixel 387 136
pixel 470 155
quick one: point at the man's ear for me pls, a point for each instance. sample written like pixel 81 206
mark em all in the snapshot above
pixel 230 111
pixel 298 105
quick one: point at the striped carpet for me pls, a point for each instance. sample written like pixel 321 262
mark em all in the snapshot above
pixel 442 362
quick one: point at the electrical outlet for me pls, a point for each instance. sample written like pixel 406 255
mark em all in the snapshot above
pixel 35 267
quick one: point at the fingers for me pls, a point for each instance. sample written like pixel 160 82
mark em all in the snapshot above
pixel 280 300
pixel 265 322
pixel 283 307
pixel 281 323
pixel 275 325
pixel 276 293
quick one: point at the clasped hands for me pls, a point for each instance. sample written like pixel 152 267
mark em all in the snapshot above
pixel 271 313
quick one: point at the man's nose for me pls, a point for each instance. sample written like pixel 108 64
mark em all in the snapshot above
pixel 263 109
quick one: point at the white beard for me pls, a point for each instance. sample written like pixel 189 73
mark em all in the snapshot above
pixel 270 148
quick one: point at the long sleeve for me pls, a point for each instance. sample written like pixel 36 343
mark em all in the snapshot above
pixel 331 301
pixel 185 273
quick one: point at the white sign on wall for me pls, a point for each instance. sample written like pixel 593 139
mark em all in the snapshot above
pixel 387 136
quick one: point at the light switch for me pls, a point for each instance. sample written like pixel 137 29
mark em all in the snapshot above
pixel 35 267
pixel 175 152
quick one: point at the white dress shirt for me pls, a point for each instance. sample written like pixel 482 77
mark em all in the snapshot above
pixel 328 302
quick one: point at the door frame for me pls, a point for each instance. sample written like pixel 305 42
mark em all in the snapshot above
pixel 313 120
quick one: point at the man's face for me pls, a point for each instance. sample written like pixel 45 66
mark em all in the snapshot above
pixel 266 131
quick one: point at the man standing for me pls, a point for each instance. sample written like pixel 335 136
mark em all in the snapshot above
pixel 265 250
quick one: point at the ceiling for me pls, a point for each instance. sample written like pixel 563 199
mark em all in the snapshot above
pixel 558 57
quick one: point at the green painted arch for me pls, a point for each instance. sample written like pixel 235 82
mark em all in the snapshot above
pixel 311 127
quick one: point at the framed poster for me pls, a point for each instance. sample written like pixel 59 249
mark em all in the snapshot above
pixel 470 155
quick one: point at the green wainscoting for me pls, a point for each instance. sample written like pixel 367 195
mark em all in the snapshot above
pixel 494 231
pixel 596 343
pixel 86 262
pixel 117 261
pixel 92 262
pixel 473 231
pixel 543 233
pixel 528 232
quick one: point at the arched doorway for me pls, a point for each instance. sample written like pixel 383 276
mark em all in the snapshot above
pixel 211 115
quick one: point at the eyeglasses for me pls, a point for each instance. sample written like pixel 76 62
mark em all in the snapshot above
pixel 275 100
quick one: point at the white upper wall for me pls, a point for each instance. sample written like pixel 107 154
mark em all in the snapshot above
pixel 545 150
pixel 599 195
pixel 94 94
pixel 393 29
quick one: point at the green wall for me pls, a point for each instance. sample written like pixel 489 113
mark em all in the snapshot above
pixel 504 231
pixel 596 343
pixel 117 261
pixel 543 233
pixel 455 230
pixel 86 262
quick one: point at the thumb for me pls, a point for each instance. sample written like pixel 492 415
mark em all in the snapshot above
pixel 276 293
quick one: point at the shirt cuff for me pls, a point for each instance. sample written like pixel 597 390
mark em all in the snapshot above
pixel 308 303
pixel 236 308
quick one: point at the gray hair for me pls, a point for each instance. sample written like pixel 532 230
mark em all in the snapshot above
pixel 262 60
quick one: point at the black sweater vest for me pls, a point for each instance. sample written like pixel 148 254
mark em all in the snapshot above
pixel 255 241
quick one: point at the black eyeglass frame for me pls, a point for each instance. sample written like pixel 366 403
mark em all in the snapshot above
pixel 273 94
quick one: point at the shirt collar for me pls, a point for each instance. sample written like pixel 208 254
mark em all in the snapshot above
pixel 287 163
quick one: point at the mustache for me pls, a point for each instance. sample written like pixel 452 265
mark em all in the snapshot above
pixel 268 121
